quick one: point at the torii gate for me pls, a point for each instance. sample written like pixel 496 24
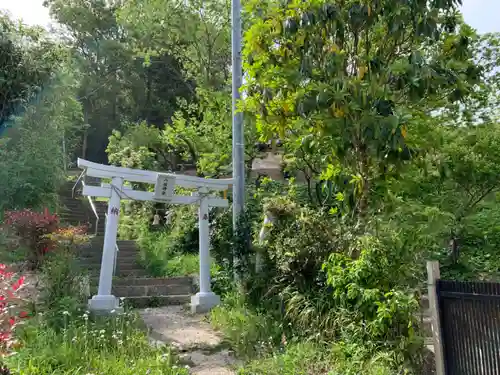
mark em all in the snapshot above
pixel 165 184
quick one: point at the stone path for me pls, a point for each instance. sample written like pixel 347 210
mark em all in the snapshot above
pixel 197 344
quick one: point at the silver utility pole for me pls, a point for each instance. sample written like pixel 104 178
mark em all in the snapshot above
pixel 238 136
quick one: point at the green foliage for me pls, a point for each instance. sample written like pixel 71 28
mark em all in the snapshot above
pixel 39 145
pixel 170 249
pixel 472 164
pixel 63 339
pixel 369 296
pixel 250 333
pixel 198 137
pixel 83 345
pixel 309 358
pixel 27 62
pixel 373 102
pixel 115 86
pixel 182 265
pixel 197 33
pixel 63 287
pixel 345 82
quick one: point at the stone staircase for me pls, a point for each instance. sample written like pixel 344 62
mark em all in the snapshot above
pixel 131 281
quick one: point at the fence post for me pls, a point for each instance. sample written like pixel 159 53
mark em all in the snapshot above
pixel 433 275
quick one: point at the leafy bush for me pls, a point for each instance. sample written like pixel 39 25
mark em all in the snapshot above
pixel 33 227
pixel 70 236
pixel 300 241
pixel 327 279
pixel 360 287
pixel 64 285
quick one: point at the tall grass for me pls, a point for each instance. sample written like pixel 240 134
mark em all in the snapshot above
pixel 85 345
pixel 316 359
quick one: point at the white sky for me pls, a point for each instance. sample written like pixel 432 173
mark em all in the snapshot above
pixel 480 14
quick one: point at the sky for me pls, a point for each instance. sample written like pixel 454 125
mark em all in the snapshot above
pixel 480 14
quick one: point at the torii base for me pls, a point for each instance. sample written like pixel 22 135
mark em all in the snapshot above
pixel 105 305
pixel 204 302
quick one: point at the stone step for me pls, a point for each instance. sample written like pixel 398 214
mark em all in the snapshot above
pixel 132 258
pixel 99 241
pixel 94 273
pixel 146 281
pixel 152 290
pixel 120 266
pixel 76 219
pixel 96 252
pixel 97 256
pixel 74 210
pixel 184 282
pixel 68 201
pixel 73 215
pixel 156 301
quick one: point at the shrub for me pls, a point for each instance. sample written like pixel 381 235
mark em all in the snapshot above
pixel 69 237
pixel 300 241
pixel 33 228
pixel 373 306
pixel 61 277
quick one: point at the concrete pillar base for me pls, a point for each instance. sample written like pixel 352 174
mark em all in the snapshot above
pixel 105 304
pixel 204 302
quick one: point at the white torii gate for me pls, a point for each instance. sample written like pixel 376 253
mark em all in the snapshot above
pixel 165 184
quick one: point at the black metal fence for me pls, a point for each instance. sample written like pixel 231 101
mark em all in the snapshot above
pixel 470 324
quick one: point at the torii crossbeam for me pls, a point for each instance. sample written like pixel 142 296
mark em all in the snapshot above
pixel 164 184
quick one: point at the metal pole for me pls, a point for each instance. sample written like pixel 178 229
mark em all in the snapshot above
pixel 238 135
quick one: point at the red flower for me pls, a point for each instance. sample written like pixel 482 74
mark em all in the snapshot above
pixel 5 336
pixel 23 315
pixel 19 283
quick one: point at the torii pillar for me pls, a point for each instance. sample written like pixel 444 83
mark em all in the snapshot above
pixel 205 299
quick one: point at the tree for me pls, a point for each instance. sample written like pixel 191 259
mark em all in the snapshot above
pixel 27 58
pixel 345 80
pixel 195 32
pixel 40 107
pixel 117 87
pixel 469 174
pixel 198 137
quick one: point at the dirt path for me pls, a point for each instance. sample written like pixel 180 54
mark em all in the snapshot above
pixel 198 345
